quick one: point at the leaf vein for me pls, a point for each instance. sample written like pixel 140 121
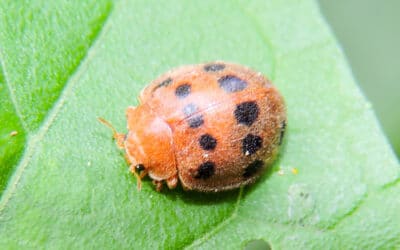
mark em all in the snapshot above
pixel 11 91
pixel 219 226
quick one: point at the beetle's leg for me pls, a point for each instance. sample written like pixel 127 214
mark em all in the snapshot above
pixel 172 182
pixel 158 185
pixel 119 137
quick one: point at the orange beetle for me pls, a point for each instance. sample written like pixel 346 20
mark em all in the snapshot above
pixel 213 127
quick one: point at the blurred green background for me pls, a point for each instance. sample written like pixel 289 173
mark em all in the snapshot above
pixel 369 32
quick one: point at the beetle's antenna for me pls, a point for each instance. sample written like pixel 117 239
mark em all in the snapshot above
pixel 108 124
pixel 119 137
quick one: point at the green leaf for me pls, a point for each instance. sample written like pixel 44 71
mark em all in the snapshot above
pixel 64 64
pixel 41 45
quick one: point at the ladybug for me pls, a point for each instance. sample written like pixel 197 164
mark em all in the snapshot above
pixel 212 127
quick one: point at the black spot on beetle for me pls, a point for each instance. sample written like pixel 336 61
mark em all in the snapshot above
pixel 194 120
pixel 246 113
pixel 232 83
pixel 253 168
pixel 283 128
pixel 214 67
pixel 207 142
pixel 251 143
pixel 183 90
pixel 205 170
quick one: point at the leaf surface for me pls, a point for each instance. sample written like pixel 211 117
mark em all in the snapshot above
pixel 71 187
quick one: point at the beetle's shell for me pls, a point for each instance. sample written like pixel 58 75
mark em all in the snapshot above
pixel 226 121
